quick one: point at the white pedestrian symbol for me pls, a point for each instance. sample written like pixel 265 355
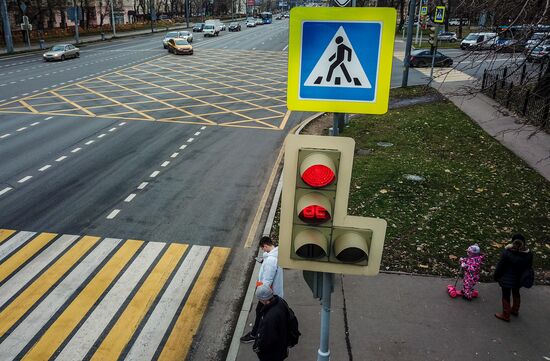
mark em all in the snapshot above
pixel 339 65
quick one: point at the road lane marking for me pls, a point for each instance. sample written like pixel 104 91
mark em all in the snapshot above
pixel 101 135
pixel 121 333
pixel 203 127
pixel 21 129
pixel 174 155
pixel 62 158
pixel 130 197
pixel 190 140
pixel 89 142
pixel 142 185
pixel 76 150
pixel 183 147
pixel 5 190
pixel 112 129
pixel 35 123
pixel 154 174
pixel 197 133
pixel 44 168
pixel 24 179
pixel 5 234
pixel 14 242
pixel 165 163
pixel 113 214
pixel 5 136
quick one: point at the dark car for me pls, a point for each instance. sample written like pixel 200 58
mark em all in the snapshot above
pixel 423 57
pixel 198 28
pixel 234 27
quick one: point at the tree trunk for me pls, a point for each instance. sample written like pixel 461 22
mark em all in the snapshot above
pixel 543 86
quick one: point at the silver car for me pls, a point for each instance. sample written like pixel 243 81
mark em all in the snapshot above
pixel 177 35
pixel 62 52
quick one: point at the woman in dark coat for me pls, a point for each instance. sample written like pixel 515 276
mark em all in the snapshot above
pixel 515 259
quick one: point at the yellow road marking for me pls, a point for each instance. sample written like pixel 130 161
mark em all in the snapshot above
pixel 5 234
pixel 263 202
pixel 23 255
pixel 28 106
pixel 178 343
pixel 285 120
pixel 115 342
pixel 70 318
pixel 26 299
pixel 73 104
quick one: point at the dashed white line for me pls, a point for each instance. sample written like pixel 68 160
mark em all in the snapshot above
pixel 48 118
pixel 24 179
pixel 164 164
pixel 21 129
pixel 112 129
pixel 76 150
pixel 197 133
pixel 101 135
pixel 35 123
pixel 203 128
pixel 130 197
pixel 154 174
pixel 62 158
pixel 174 155
pixel 44 168
pixel 25 94
pixel 113 214
pixel 190 140
pixel 5 136
pixel 123 123
pixel 142 185
pixel 89 142
pixel 183 147
pixel 286 47
pixel 5 190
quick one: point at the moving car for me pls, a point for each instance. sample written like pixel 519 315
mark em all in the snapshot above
pixel 61 52
pixel 177 35
pixel 259 21
pixel 423 57
pixel 211 30
pixel 234 27
pixel 539 54
pixel 478 41
pixel 250 23
pixel 447 36
pixel 217 23
pixel 179 46
pixel 198 28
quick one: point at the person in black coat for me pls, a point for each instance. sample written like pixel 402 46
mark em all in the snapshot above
pixel 271 342
pixel 515 259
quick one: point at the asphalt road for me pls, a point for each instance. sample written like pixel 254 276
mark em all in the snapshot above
pixel 161 161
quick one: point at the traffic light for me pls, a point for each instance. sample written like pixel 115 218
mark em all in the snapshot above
pixel 433 37
pixel 316 234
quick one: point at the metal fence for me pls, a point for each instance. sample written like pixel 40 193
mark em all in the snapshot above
pixel 513 89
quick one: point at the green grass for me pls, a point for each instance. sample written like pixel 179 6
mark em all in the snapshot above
pixel 411 92
pixel 441 45
pixel 474 190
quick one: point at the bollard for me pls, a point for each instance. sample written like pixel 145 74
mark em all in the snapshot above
pixel 42 44
pixel 102 36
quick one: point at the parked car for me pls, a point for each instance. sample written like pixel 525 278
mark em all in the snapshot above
pixel 198 28
pixel 179 46
pixel 176 35
pixel 539 54
pixel 537 39
pixel 478 41
pixel 61 52
pixel 234 27
pixel 211 30
pixel 250 23
pixel 447 36
pixel 456 22
pixel 423 58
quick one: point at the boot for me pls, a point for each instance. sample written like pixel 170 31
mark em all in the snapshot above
pixel 505 315
pixel 515 306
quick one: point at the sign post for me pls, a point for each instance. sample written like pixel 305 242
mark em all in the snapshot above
pixel 27 27
pixel 439 18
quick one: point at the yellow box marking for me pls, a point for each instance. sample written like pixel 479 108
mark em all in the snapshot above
pixel 16 309
pixel 178 343
pixel 23 255
pixel 115 342
pixel 70 318
pixel 28 106
pixel 385 16
pixel 73 104
pixel 5 234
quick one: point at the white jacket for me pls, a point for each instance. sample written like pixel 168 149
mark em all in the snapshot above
pixel 270 273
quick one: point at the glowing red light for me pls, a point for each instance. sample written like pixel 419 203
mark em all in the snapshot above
pixel 314 214
pixel 318 176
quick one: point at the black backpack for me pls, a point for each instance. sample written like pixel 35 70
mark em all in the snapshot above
pixel 292 324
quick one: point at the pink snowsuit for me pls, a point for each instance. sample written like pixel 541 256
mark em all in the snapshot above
pixel 471 266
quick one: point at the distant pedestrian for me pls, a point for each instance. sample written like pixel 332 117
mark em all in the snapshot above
pixel 271 343
pixel 471 268
pixel 270 275
pixel 515 260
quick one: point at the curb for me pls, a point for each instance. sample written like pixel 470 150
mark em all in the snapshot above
pixel 247 303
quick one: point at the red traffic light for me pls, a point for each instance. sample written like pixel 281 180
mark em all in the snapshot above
pixel 317 170
pixel 314 214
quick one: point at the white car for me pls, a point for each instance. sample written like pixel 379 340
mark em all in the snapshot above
pixel 210 30
pixel 447 36
pixel 478 41
pixel 177 35
pixel 250 23
pixel 61 52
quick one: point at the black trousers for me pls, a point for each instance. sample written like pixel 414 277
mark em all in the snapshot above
pixel 507 291
pixel 259 308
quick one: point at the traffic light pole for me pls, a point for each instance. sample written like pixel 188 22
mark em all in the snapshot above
pixel 323 354
pixel 410 24
pixel 76 22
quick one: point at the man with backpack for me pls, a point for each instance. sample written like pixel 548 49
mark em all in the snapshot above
pixel 272 339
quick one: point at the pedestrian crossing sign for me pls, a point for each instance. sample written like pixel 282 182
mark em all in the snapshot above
pixel 340 59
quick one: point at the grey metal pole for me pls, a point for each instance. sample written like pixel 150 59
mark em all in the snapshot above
pixel 6 25
pixel 187 13
pixel 418 22
pixel 76 22
pixel 433 54
pixel 410 24
pixel 323 354
pixel 28 37
pixel 113 20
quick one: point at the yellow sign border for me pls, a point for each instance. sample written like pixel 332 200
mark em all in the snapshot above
pixel 443 18
pixel 386 16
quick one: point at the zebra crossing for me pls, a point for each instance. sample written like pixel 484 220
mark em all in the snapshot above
pixel 70 297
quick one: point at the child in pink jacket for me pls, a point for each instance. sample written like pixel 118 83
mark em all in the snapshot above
pixel 471 267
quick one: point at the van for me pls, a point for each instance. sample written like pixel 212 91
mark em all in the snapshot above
pixel 217 23
pixel 210 30
pixel 478 41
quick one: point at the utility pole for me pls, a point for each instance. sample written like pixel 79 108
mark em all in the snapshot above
pixel 76 22
pixel 7 30
pixel 152 14
pixel 418 22
pixel 113 20
pixel 412 4
pixel 187 12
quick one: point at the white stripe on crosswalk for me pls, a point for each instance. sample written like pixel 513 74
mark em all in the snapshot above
pixel 84 339
pixel 21 278
pixel 151 335
pixel 33 323
pixel 14 242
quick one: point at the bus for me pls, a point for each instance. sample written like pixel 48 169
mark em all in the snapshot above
pixel 266 17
